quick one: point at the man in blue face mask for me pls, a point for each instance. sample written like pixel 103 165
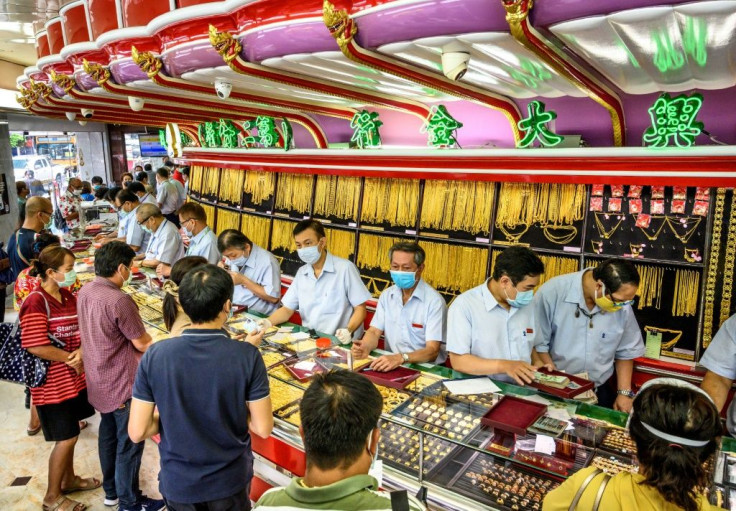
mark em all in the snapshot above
pixel 411 315
pixel 491 327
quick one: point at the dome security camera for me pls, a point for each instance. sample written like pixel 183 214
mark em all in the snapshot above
pixel 70 115
pixel 136 104
pixel 223 88
pixel 87 113
pixel 455 58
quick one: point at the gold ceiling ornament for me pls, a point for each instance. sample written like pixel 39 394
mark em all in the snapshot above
pixel 40 89
pixel 225 44
pixel 23 99
pixel 99 73
pixel 147 61
pixel 62 80
pixel 339 24
pixel 517 10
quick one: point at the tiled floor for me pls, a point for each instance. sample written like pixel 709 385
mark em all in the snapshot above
pixel 21 455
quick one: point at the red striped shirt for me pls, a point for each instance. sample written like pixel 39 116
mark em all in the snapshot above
pixel 62 382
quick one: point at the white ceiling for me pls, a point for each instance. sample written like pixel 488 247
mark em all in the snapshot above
pixel 19 21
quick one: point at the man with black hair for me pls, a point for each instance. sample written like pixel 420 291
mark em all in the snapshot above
pixel 165 246
pixel 141 190
pixel 345 405
pixel 168 196
pixel 126 203
pixel 490 328
pixel 327 291
pixel 203 392
pixel 585 323
pixel 148 169
pixel 113 337
pixel 97 182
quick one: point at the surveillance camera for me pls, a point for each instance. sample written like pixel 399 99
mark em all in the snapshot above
pixel 136 104
pixel 82 123
pixel 223 88
pixel 87 113
pixel 70 115
pixel 455 58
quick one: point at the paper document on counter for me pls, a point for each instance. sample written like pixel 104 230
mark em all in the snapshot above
pixel 471 386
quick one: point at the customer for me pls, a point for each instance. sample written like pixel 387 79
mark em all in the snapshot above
pixel 255 272
pixel 165 246
pixel 100 193
pixel 185 177
pixel 176 319
pixel 87 191
pixel 346 406
pixel 70 201
pixel 61 401
pixel 676 429
pixel 210 390
pixel 126 179
pixel 39 212
pixel 23 191
pixel 113 336
pixel 148 169
pixel 97 183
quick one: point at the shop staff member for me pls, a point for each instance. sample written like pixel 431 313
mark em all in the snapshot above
pixel 410 314
pixel 720 361
pixel 256 273
pixel 139 189
pixel 491 328
pixel 168 198
pixel 345 405
pixel 128 231
pixel 327 290
pixel 209 406
pixel 165 246
pixel 585 323
pixel 202 241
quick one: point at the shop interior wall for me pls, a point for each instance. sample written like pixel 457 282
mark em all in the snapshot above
pixel 8 216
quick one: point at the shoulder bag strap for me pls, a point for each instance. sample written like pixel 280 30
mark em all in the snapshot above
pixel 17 248
pixel 582 489
pixel 602 488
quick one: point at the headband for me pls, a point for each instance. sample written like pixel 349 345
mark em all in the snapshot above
pixel 171 288
pixel 674 439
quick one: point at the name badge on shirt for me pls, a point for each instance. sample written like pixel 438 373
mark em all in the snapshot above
pixel 530 330
pixel 417 325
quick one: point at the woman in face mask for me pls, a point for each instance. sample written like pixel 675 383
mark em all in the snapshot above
pixel 585 323
pixel 49 313
pixel 175 318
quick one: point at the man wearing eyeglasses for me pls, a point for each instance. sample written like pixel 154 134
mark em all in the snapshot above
pixel 165 246
pixel 202 241
pixel 585 323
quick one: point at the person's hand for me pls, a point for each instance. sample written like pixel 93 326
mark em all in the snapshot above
pixel 343 335
pixel 160 271
pixel 623 403
pixel 74 360
pixel 520 371
pixel 387 362
pixel 238 278
pixel 264 324
pixel 100 237
pixel 540 364
pixel 358 350
pixel 221 263
pixel 255 338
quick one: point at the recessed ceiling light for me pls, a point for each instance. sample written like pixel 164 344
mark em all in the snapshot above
pixel 28 40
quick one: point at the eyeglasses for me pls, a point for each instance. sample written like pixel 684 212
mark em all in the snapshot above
pixel 620 304
pixel 187 220
pixel 144 221
pixel 47 212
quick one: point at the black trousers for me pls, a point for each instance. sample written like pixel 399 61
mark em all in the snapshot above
pixel 238 502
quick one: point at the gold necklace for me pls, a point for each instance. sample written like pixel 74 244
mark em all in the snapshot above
pixel 669 344
pixel 597 246
pixel 562 239
pixel 606 234
pixel 711 280
pixel 689 228
pixel 729 262
pixel 652 237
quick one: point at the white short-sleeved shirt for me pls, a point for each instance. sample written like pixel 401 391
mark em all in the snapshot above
pixel 720 358
pixel 326 303
pixel 165 245
pixel 261 267
pixel 204 244
pixel 148 198
pixel 134 233
pixel 180 190
pixel 168 197
pixel 478 325
pixel 572 344
pixel 408 326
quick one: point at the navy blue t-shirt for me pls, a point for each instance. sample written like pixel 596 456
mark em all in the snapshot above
pixel 26 238
pixel 201 382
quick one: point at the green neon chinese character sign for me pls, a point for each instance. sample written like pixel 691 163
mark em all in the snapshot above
pixel 441 128
pixel 162 138
pixel 228 134
pixel 535 126
pixel 287 133
pixel 209 134
pixel 673 121
pixel 186 141
pixel 267 134
pixel 365 129
pixel 247 139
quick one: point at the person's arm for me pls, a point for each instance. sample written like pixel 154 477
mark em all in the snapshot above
pixel 260 417
pixel 630 347
pixel 389 362
pixel 281 315
pixel 542 360
pixel 241 280
pixel 150 263
pixel 357 318
pixel 544 310
pixel 624 371
pixel 519 370
pixel 369 342
pixel 143 342
pixel 717 387
pixel 163 270
pixel 290 304
pixel 161 196
pixel 143 422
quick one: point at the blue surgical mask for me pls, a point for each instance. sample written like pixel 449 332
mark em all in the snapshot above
pixel 309 255
pixel 70 278
pixel 122 213
pixel 130 277
pixel 49 224
pixel 238 262
pixel 522 299
pixel 404 279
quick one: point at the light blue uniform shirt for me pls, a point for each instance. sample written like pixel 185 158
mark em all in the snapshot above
pixel 261 267
pixel 165 245
pixel 168 198
pixel 480 326
pixel 720 358
pixel 204 244
pixel 572 344
pixel 180 190
pixel 326 303
pixel 148 198
pixel 408 327
pixel 134 233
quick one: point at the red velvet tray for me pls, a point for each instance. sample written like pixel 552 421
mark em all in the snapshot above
pixel 301 374
pixel 396 379
pixel 567 393
pixel 513 414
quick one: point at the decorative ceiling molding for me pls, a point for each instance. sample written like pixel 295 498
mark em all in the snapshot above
pixel 517 15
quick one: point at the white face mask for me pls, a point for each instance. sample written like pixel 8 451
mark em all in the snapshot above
pixel 376 470
pixel 309 255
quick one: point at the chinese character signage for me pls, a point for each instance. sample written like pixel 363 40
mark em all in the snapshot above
pixel 673 121
pixel 536 128
pixel 228 135
pixel 365 126
pixel 441 128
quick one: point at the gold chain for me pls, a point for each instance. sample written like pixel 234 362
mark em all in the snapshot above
pixel 210 212
pixel 652 237
pixel 337 196
pixel 256 228
pixel 281 235
pixel 195 179
pixel 650 285
pixel 457 206
pixel 294 192
pixel 393 201
pixel 227 219
pixel 555 266
pixel 373 250
pixel 259 185
pixel 211 181
pixel 454 268
pixel 560 239
pixel 231 186
pixel 691 224
pixel 685 299
pixel 606 234
pixel 729 259
pixel 711 280
pixel 340 242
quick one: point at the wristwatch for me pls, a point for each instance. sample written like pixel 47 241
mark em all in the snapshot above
pixel 628 393
pixel 405 356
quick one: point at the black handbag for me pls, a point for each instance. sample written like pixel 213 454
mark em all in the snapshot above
pixel 17 365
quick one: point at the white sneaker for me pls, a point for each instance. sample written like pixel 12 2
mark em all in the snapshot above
pixel 110 502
